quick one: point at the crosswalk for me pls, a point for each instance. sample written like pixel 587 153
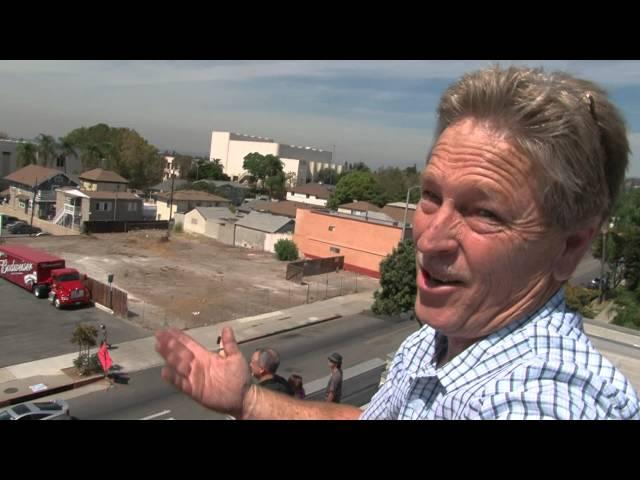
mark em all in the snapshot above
pixel 155 416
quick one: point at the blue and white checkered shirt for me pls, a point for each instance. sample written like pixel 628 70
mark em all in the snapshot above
pixel 541 367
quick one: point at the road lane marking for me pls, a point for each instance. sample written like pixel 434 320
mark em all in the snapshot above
pixel 156 415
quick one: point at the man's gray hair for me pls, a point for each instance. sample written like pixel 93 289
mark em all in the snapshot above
pixel 574 136
pixel 269 359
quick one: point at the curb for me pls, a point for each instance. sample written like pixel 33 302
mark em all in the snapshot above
pixel 103 308
pixel 284 330
pixel 51 391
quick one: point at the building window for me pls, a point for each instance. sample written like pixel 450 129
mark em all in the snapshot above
pixel 194 221
pixel 132 207
pixel 60 161
pixel 332 228
pixel 334 249
pixel 103 206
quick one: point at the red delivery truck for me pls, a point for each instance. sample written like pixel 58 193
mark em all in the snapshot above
pixel 36 271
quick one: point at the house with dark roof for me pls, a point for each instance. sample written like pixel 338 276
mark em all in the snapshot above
pixel 100 180
pixel 184 200
pixel 75 206
pixel 358 208
pixel 261 231
pixel 283 208
pixel 234 191
pixel 311 193
pixel 213 222
pixel 35 184
pixel 396 210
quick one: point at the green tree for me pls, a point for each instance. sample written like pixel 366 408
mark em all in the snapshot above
pixel 357 185
pixel 183 163
pixel 328 176
pixel 207 170
pixel 27 154
pixel 397 292
pixel 123 151
pixel 84 336
pixel 286 250
pixel 262 166
pixel 46 149
pixel 275 185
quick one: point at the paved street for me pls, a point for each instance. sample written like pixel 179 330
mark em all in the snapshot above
pixel 32 329
pixel 358 338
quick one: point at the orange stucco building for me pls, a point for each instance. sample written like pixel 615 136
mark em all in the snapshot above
pixel 364 242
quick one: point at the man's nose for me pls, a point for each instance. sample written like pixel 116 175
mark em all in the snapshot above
pixel 439 235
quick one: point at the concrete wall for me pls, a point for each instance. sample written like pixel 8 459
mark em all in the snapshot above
pixel 363 244
pixel 212 228
pixel 247 238
pixel 226 233
pixel 194 222
pixel 220 148
pixel 302 198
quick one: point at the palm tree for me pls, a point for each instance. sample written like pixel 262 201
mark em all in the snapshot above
pixel 27 154
pixel 46 148
pixel 91 156
pixel 67 150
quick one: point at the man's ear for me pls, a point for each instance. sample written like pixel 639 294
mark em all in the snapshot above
pixel 575 245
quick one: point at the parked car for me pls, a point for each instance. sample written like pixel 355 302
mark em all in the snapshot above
pixel 56 410
pixel 8 220
pixel 23 228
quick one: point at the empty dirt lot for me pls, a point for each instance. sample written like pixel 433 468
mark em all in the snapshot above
pixel 192 280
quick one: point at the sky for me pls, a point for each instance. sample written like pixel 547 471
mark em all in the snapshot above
pixel 378 112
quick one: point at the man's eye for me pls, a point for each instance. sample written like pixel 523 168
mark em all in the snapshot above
pixel 432 197
pixel 488 214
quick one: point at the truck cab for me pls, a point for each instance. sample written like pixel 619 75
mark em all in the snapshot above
pixel 67 288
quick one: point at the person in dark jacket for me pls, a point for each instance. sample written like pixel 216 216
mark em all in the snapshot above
pixel 264 364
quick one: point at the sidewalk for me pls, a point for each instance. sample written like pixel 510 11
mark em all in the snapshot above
pixel 16 380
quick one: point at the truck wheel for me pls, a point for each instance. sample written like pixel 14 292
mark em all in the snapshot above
pixel 36 291
pixel 56 303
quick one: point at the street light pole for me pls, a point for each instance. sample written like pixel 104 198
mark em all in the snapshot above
pixel 173 177
pixel 406 208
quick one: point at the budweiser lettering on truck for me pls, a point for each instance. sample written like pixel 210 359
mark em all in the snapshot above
pixel 43 274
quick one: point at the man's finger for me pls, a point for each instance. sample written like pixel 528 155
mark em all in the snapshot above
pixel 229 341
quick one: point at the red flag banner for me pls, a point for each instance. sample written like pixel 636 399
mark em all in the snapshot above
pixel 104 357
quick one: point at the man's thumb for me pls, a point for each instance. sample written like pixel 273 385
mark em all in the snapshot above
pixel 229 343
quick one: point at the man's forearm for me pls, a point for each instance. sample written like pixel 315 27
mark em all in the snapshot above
pixel 263 404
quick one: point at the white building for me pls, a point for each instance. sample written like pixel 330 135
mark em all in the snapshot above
pixel 300 164
pixel 311 193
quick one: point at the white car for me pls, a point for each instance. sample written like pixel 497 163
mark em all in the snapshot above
pixel 56 410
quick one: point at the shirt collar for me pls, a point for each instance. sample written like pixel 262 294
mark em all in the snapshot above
pixel 461 369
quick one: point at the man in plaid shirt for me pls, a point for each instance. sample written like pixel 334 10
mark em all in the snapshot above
pixel 525 168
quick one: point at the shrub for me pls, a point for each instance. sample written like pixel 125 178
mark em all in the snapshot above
pixel 87 364
pixel 579 299
pixel 286 250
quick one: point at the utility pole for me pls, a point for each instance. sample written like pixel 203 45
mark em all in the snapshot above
pixel 33 202
pixel 115 204
pixel 173 177
pixel 406 208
